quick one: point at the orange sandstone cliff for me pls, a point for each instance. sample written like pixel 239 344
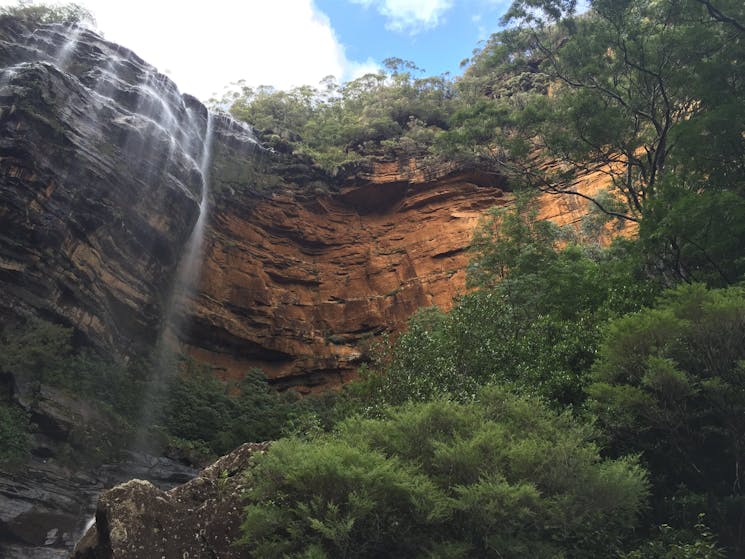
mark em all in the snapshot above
pixel 298 286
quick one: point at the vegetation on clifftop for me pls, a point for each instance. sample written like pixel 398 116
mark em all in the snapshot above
pixel 390 112
pixel 34 13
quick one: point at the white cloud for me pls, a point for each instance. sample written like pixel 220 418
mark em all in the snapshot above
pixel 205 46
pixel 410 16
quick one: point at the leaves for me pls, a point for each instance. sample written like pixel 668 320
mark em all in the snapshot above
pixel 498 477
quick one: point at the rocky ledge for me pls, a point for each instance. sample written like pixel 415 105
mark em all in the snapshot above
pixel 45 508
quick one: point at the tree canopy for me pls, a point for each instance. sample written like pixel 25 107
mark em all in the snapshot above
pixel 500 477
pixel 37 13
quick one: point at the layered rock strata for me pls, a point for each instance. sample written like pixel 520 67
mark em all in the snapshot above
pixel 298 284
pixel 99 183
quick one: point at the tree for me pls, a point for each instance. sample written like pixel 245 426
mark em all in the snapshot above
pixel 697 236
pixel 635 85
pixel 40 13
pixel 726 11
pixel 378 114
pixel 532 290
pixel 669 383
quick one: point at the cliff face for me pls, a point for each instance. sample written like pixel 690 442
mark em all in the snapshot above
pixel 299 285
pixel 101 176
pixel 99 183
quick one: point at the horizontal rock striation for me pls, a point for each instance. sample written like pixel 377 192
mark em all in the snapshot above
pixel 99 186
pixel 297 285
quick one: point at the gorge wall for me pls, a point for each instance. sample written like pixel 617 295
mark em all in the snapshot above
pixel 299 284
pixel 100 189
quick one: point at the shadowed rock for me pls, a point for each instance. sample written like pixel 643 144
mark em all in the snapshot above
pixel 200 519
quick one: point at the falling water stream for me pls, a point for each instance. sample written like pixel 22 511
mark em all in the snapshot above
pixel 195 145
pixel 66 50
pixel 184 286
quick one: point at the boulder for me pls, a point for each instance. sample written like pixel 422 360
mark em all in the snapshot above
pixel 202 518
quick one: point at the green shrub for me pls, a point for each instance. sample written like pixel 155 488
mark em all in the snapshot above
pixel 38 351
pixel 499 477
pixel 669 543
pixel 535 323
pixel 203 412
pixel 14 434
pixel 220 415
pixel 670 384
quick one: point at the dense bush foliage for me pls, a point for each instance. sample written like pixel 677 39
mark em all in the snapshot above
pixel 206 413
pixel 390 112
pixel 537 284
pixel 499 477
pixel 670 383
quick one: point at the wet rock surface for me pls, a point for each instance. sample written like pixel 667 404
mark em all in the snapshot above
pixel 100 183
pixel 136 520
pixel 100 188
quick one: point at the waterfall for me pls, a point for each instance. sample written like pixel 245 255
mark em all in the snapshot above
pixel 66 50
pixel 188 272
pixel 146 114
pixel 129 120
pixel 184 287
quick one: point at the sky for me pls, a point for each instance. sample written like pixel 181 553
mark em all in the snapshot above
pixel 206 46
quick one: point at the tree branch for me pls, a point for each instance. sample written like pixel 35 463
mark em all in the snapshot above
pixel 720 16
